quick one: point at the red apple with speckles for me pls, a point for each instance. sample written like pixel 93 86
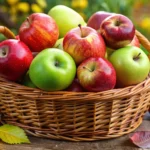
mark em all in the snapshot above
pixel 84 42
pixel 96 74
pixel 39 31
pixel 117 31
pixel 15 59
pixel 96 19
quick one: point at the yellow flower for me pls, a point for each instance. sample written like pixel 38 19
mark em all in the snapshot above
pixel 42 3
pixel 79 4
pixel 145 23
pixel 12 2
pixel 36 8
pixel 23 7
pixel 13 12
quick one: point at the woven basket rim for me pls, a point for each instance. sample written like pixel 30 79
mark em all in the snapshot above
pixel 35 93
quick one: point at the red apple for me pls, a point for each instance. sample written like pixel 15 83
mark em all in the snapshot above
pixel 117 31
pixel 75 86
pixel 135 42
pixel 96 19
pixel 84 42
pixel 17 37
pixel 15 59
pixel 39 31
pixel 96 74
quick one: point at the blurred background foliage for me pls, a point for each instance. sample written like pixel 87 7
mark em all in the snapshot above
pixel 14 12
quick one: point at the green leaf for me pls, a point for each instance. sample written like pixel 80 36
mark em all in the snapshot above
pixel 13 134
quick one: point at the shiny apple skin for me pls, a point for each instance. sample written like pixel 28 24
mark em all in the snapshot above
pixel 117 31
pixel 16 61
pixel 96 74
pixel 39 31
pixel 84 44
pixel 131 64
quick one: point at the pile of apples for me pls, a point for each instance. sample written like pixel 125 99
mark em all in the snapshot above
pixel 56 52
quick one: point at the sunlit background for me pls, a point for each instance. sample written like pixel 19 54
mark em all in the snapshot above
pixel 14 12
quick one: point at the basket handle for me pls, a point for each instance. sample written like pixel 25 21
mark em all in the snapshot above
pixel 143 40
pixel 7 32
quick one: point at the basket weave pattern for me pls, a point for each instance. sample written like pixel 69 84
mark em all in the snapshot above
pixel 82 116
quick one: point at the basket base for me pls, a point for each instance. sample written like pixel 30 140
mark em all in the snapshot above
pixel 75 138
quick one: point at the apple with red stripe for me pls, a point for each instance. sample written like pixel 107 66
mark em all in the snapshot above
pixel 39 31
pixel 84 42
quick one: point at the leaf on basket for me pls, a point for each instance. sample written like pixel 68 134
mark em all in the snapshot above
pixel 141 139
pixel 13 134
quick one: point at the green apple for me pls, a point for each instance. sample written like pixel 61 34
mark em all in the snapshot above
pixel 66 18
pixel 109 51
pixel 59 44
pixel 27 81
pixel 131 64
pixel 52 70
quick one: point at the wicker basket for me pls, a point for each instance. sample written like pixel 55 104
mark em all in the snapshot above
pixel 82 116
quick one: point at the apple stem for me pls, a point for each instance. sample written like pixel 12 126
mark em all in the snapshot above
pixel 56 63
pixel 137 57
pixel 117 23
pixel 80 30
pixel 28 20
pixel 87 68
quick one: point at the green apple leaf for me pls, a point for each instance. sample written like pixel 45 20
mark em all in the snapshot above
pixel 13 134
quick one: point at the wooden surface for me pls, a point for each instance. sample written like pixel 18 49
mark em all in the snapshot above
pixel 121 143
